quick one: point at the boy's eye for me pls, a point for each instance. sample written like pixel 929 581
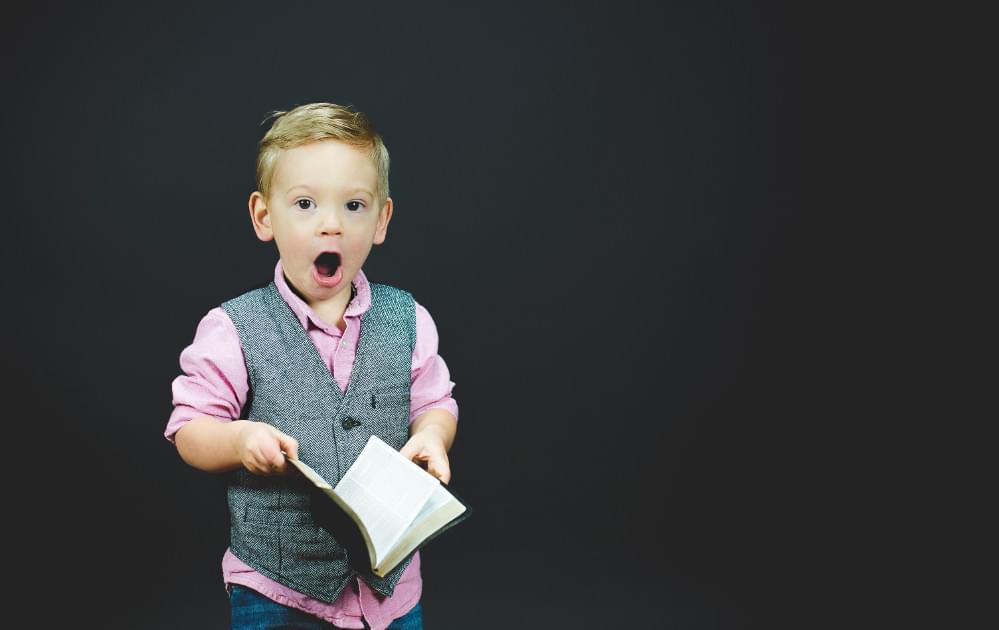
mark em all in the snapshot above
pixel 354 206
pixel 304 204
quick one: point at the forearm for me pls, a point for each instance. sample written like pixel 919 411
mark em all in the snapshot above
pixel 209 444
pixel 438 422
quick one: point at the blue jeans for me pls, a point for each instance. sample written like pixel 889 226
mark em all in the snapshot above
pixel 253 611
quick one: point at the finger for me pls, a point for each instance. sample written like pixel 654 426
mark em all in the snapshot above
pixel 258 466
pixel 253 459
pixel 270 455
pixel 409 451
pixel 440 468
pixel 274 456
pixel 289 445
pixel 444 476
pixel 280 444
pixel 266 463
pixel 416 454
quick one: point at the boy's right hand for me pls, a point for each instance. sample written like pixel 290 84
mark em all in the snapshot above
pixel 259 447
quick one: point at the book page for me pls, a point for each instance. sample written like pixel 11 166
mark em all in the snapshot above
pixel 386 491
pixel 437 500
pixel 440 509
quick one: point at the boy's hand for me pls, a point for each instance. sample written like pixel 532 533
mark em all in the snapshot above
pixel 426 448
pixel 259 447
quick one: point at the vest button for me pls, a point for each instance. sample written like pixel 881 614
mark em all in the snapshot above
pixel 349 423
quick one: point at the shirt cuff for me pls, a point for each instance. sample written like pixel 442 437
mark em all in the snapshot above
pixel 181 415
pixel 448 404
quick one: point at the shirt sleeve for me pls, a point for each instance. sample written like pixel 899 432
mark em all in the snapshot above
pixel 430 383
pixel 214 380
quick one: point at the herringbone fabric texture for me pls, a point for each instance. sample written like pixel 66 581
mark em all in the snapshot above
pixel 272 524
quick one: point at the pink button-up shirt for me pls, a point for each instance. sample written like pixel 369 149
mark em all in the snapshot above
pixel 215 383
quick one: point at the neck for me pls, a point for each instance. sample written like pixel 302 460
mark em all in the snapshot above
pixel 331 314
pixel 330 311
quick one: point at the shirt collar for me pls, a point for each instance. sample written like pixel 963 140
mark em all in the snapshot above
pixel 357 306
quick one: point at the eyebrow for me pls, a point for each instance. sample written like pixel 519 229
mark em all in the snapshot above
pixel 356 189
pixel 360 189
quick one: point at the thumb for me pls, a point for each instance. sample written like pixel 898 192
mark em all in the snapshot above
pixel 408 450
pixel 287 443
pixel 439 467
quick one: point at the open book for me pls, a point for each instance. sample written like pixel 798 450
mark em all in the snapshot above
pixel 397 505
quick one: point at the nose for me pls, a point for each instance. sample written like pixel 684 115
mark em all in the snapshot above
pixel 330 223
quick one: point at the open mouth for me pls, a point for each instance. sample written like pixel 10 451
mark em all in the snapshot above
pixel 327 263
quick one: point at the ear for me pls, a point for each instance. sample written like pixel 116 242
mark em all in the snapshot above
pixel 260 216
pixel 384 216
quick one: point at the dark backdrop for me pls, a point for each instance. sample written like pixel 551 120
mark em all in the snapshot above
pixel 602 206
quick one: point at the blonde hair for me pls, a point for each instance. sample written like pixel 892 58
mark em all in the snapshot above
pixel 314 122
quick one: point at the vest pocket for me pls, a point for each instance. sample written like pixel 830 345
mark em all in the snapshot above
pixel 390 415
pixel 310 543
pixel 310 556
pixel 390 397
pixel 276 518
pixel 300 553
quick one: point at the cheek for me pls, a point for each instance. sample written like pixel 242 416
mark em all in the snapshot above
pixel 357 251
pixel 293 246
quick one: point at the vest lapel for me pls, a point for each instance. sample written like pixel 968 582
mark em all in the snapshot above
pixel 306 352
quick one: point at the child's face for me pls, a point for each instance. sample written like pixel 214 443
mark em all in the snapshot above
pixel 322 200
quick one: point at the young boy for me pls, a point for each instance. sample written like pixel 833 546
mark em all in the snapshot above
pixel 311 365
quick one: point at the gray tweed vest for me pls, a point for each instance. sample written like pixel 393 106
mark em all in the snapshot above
pixel 273 528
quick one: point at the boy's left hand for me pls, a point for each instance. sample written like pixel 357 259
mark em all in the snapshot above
pixel 426 448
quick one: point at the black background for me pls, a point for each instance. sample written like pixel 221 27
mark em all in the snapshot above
pixel 604 206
